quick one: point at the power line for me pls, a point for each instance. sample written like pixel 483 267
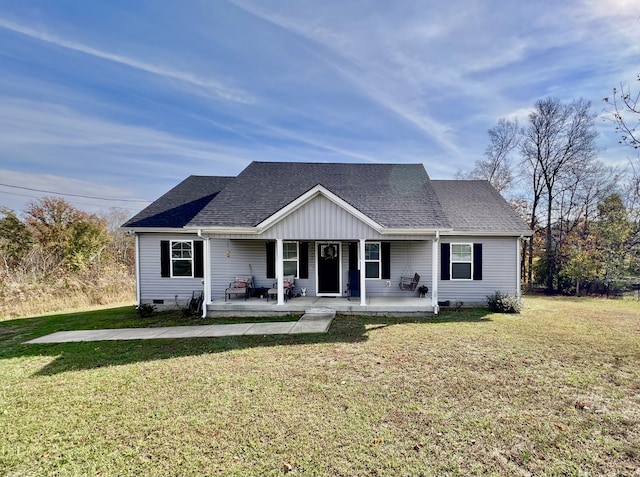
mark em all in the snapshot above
pixel 73 201
pixel 75 195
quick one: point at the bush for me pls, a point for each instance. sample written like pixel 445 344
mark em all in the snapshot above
pixel 146 309
pixel 500 302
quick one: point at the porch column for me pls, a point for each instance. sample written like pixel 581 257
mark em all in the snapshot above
pixel 138 290
pixel 435 259
pixel 206 281
pixel 363 276
pixel 280 270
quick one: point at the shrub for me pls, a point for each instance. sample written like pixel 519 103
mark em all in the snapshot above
pixel 500 302
pixel 145 310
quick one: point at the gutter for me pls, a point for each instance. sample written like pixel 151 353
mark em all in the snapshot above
pixel 521 241
pixel 486 233
pixel 435 259
pixel 168 230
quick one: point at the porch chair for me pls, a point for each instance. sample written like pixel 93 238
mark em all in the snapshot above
pixel 288 282
pixel 240 286
pixel 195 304
pixel 409 283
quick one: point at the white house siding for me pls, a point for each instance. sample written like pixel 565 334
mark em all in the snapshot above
pixel 152 285
pixel 499 271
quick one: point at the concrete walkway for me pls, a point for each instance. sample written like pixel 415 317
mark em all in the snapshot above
pixel 313 321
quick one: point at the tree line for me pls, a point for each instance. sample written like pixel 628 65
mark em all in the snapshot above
pixel 584 214
pixel 56 251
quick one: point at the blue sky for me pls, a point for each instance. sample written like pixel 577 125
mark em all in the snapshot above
pixel 124 99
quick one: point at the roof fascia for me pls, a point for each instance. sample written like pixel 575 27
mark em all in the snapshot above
pixel 468 233
pixel 170 230
pixel 226 230
pixel 388 231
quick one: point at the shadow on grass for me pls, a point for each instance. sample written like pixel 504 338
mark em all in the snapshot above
pixel 96 354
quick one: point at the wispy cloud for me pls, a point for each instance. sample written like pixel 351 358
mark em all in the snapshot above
pixel 207 84
pixel 24 122
pixel 349 61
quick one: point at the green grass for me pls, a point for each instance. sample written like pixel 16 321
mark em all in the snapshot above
pixel 552 391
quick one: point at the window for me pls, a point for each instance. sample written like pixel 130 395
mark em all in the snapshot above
pixel 461 261
pixel 372 260
pixel 290 258
pixel 182 258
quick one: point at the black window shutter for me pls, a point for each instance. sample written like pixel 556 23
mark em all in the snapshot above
pixel 198 259
pixel 271 260
pixel 304 260
pixel 353 255
pixel 386 260
pixel 165 262
pixel 445 258
pixel 477 261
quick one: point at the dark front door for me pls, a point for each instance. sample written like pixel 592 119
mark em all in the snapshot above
pixel 328 269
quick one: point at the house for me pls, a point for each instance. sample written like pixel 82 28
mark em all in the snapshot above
pixel 358 233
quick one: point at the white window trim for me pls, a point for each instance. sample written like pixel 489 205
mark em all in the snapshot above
pixel 171 259
pixel 451 262
pixel 378 261
pixel 297 259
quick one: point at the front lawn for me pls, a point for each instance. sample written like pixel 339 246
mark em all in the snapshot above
pixel 552 391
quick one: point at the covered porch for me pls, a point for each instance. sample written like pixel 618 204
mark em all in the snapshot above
pixel 374 306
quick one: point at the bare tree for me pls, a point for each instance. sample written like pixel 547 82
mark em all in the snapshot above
pixel 559 139
pixel 122 245
pixel 531 174
pixel 504 138
pixel 625 115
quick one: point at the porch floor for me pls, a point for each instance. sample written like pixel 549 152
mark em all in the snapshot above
pixel 376 306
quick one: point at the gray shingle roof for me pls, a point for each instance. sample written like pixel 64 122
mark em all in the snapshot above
pixel 394 195
pixel 475 206
pixel 178 206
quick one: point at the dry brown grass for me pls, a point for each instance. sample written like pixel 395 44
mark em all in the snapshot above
pixel 26 295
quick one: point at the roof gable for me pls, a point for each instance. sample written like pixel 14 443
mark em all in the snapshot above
pixel 310 195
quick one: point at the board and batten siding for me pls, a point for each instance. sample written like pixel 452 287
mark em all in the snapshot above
pixel 499 271
pixel 322 219
pixel 155 287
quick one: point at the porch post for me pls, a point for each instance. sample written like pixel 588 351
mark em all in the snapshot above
pixel 138 290
pixel 363 276
pixel 280 270
pixel 206 281
pixel 435 259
